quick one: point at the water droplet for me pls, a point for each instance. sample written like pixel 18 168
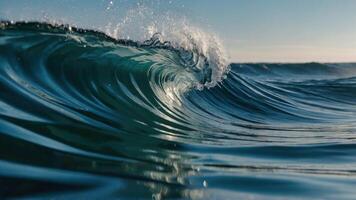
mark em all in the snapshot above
pixel 111 3
pixel 205 184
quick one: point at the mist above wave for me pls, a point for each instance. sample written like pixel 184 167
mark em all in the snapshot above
pixel 200 50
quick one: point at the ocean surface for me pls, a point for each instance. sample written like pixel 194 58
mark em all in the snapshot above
pixel 86 116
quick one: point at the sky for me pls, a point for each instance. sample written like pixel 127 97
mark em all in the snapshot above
pixel 251 30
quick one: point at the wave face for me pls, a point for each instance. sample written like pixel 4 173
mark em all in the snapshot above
pixel 83 115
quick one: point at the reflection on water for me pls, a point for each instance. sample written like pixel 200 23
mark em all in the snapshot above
pixel 85 116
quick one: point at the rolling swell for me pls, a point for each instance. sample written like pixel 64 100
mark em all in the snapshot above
pixel 89 115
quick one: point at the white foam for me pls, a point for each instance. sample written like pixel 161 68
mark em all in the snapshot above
pixel 142 23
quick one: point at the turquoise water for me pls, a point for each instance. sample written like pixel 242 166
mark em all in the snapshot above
pixel 85 116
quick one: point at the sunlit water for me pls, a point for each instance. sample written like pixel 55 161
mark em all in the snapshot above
pixel 83 116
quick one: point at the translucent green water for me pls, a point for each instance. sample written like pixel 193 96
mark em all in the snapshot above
pixel 84 116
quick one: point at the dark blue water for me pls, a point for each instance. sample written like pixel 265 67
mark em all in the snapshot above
pixel 84 116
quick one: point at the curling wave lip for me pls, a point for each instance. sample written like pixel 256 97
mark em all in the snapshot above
pixel 167 119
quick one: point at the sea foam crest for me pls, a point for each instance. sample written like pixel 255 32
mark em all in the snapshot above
pixel 200 51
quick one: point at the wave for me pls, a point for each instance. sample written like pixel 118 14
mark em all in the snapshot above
pixel 83 104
